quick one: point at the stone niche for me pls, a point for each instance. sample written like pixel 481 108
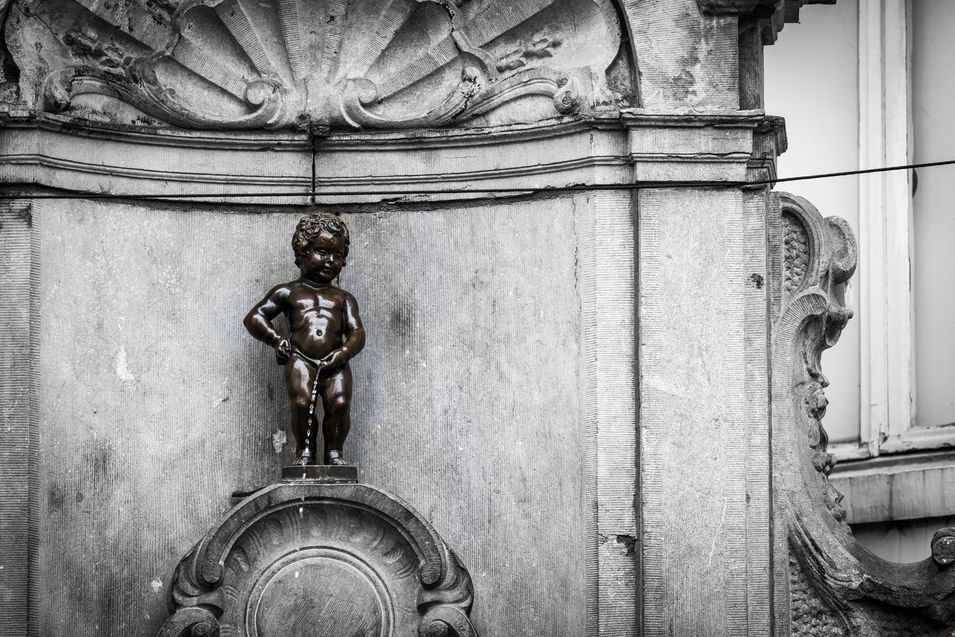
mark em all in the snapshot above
pixel 607 401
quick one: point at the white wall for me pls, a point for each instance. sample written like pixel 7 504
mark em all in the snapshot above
pixel 812 81
pixel 933 93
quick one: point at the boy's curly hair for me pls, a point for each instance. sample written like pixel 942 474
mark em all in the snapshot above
pixel 313 224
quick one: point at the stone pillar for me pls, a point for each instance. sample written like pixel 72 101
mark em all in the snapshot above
pixel 704 470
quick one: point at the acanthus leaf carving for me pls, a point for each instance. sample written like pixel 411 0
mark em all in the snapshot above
pixel 864 593
pixel 238 64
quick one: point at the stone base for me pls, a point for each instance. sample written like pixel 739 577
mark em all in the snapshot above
pixel 321 473
pixel 302 556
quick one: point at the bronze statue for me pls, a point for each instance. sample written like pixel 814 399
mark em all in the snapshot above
pixel 326 332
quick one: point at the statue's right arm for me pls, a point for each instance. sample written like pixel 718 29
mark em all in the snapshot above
pixel 259 319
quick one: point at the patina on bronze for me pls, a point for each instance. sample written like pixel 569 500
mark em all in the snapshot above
pixel 325 333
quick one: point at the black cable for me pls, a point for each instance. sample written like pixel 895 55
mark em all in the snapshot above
pixel 311 134
pixel 398 192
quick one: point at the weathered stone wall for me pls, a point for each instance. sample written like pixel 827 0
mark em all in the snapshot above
pixel 704 440
pixel 469 403
pixel 597 398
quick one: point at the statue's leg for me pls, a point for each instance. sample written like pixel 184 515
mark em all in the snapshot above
pixel 298 378
pixel 336 398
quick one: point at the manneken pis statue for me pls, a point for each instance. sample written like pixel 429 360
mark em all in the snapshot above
pixel 325 333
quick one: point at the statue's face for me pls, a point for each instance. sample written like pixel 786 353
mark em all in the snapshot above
pixel 325 258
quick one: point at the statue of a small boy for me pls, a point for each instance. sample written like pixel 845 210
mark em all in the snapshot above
pixel 326 332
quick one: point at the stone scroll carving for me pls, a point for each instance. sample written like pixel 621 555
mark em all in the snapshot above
pixel 308 558
pixel 837 587
pixel 244 64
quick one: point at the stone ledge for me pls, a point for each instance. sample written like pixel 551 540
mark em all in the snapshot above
pixel 900 487
pixel 320 473
pixel 373 167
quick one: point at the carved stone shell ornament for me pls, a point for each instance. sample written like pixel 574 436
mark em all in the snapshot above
pixel 246 64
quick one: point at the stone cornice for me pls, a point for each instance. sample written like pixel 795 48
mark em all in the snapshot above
pixel 768 16
pixel 281 140
pixel 747 7
pixel 628 147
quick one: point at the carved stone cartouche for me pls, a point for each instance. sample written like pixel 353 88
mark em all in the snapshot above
pixel 284 64
pixel 837 587
pixel 310 558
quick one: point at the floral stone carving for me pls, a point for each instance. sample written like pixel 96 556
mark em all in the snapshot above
pixel 835 585
pixel 244 64
pixel 311 558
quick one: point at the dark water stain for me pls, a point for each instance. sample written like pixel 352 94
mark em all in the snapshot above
pixel 100 457
pixel 55 497
pixel 103 465
pixel 683 85
pixel 401 320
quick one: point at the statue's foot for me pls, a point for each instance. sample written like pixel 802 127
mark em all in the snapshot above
pixel 304 459
pixel 334 457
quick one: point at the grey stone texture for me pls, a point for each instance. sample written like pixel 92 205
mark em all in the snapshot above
pixel 161 405
pixel 606 400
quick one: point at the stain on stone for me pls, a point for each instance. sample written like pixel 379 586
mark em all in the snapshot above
pixel 756 280
pixel 101 462
pixel 270 391
pixel 26 214
pixel 108 582
pixel 402 318
pixel 79 496
pixel 682 85
pixel 629 542
pixel 278 441
pixel 56 497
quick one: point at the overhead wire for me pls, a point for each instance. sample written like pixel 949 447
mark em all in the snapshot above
pixel 400 191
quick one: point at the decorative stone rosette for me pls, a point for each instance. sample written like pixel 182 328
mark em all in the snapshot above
pixel 245 64
pixel 309 558
pixel 834 585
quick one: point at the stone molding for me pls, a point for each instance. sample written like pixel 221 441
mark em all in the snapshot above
pixel 867 595
pixel 47 150
pixel 893 487
pixel 237 64
pixel 19 430
pixel 393 573
pixel 768 16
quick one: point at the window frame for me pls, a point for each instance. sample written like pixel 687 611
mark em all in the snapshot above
pixel 887 376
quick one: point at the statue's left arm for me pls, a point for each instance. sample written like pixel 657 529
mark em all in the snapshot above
pixel 352 330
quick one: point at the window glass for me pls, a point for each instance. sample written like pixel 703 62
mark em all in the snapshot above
pixel 933 94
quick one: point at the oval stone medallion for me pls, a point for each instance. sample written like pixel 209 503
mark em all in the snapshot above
pixel 319 592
